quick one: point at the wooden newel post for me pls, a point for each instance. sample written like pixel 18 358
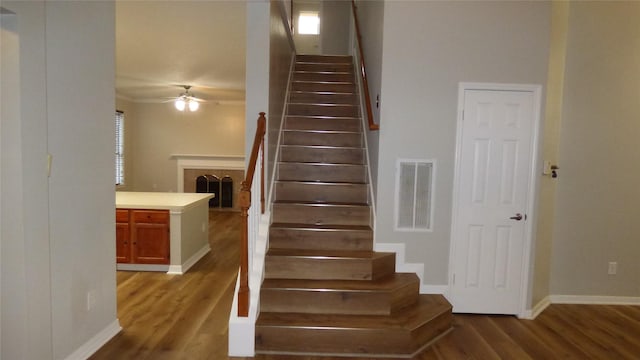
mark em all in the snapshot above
pixel 244 200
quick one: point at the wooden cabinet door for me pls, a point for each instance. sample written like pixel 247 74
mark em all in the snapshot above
pixel 123 237
pixel 150 237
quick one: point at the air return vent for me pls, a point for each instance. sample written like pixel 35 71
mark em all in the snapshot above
pixel 414 195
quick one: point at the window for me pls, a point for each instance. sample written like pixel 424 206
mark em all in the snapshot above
pixel 414 195
pixel 119 148
pixel 308 23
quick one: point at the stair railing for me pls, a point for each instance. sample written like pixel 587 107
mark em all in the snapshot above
pixel 250 192
pixel 363 72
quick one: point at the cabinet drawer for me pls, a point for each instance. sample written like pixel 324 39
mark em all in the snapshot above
pixel 122 216
pixel 151 216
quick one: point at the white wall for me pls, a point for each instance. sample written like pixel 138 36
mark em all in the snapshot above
pixel 335 17
pixel 307 43
pixel 429 47
pixel 80 112
pixel 67 103
pixel 597 191
pixel 370 16
pixel 281 53
pixel 158 130
pixel 551 137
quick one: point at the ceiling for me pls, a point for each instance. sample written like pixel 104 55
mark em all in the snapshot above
pixel 162 45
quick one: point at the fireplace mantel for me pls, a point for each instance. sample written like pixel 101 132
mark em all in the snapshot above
pixel 203 161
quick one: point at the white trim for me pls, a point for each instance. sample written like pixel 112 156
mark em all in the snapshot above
pixel 594 299
pixel 203 161
pixel 434 289
pixel 401 264
pixel 181 269
pixel 537 310
pixel 95 343
pixel 142 267
pixel 527 271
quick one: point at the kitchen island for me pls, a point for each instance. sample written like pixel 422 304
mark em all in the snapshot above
pixel 158 231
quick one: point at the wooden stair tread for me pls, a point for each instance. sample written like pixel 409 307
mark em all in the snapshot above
pixel 326 227
pixel 427 308
pixel 322 131
pixel 328 254
pixel 318 182
pixel 322 117
pixel 322 147
pixel 386 283
pixel 324 82
pixel 318 204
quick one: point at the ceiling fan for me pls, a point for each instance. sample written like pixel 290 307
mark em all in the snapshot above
pixel 187 100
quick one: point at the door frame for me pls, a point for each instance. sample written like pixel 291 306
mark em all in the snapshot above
pixel 532 198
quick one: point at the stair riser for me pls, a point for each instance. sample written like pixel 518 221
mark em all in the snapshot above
pixel 309 123
pixel 322 98
pixel 324 302
pixel 331 341
pixel 358 301
pixel 319 192
pixel 345 67
pixel 323 87
pixel 282 238
pixel 320 215
pixel 322 155
pixel 335 59
pixel 323 76
pixel 312 268
pixel 317 172
pixel 322 138
pixel 350 341
pixel 322 110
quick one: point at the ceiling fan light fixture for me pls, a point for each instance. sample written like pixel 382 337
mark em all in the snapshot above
pixel 186 100
pixel 193 105
pixel 180 104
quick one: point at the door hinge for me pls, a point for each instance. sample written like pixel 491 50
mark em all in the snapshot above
pixel 454 279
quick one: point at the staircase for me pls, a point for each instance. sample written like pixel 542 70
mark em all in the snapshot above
pixel 326 292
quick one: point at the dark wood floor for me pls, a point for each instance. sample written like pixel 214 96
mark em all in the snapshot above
pixel 185 317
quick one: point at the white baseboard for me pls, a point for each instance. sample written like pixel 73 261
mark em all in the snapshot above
pixel 95 343
pixel 401 264
pixel 181 269
pixel 579 300
pixel 142 267
pixel 531 314
pixel 434 289
pixel 594 300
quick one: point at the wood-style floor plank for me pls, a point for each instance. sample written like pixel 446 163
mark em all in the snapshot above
pixel 175 317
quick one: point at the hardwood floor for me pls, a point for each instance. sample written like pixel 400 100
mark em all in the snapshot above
pixel 185 317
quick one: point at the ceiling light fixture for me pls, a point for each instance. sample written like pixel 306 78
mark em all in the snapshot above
pixel 187 100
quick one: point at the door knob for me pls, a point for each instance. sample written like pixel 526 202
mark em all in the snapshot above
pixel 518 217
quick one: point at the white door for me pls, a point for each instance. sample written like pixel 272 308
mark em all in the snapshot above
pixel 492 190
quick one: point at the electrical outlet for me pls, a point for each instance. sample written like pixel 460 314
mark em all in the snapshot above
pixel 91 299
pixel 613 268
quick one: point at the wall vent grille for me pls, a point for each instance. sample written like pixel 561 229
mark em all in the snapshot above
pixel 414 195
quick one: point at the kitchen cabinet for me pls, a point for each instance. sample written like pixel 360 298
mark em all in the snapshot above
pixel 158 231
pixel 144 238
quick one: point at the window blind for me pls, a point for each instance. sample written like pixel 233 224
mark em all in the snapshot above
pixel 119 148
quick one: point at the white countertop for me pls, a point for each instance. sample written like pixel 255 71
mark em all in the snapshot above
pixel 159 200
